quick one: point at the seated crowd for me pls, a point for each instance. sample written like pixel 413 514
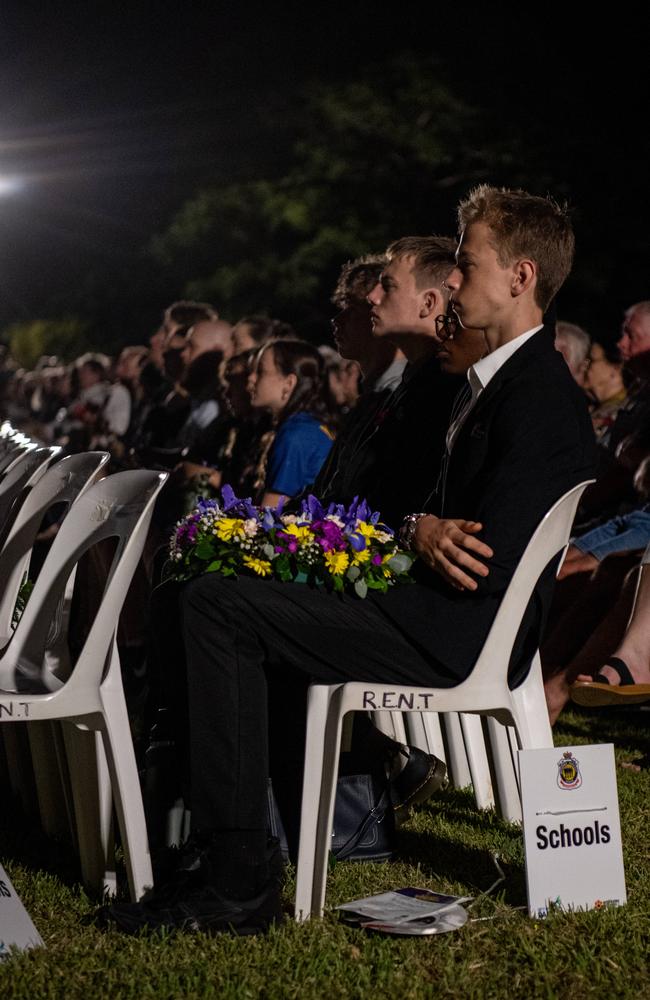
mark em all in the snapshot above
pixel 425 333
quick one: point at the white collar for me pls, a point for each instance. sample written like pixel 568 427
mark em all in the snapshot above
pixel 486 368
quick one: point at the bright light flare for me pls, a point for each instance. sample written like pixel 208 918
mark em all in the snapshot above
pixel 10 185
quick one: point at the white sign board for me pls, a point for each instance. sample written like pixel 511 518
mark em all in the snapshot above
pixel 572 829
pixel 16 927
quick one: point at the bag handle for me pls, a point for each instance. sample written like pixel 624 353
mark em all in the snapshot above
pixel 373 819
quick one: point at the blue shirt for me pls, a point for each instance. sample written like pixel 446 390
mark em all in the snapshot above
pixel 300 447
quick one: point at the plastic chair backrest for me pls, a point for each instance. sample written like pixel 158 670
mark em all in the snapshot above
pixel 119 506
pixel 23 474
pixel 550 538
pixel 63 483
pixel 14 453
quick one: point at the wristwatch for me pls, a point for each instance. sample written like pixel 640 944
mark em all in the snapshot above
pixel 407 531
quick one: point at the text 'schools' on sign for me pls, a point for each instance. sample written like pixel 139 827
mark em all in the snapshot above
pixel 16 927
pixel 572 830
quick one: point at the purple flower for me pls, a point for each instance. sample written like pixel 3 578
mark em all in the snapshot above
pixel 245 508
pixel 268 519
pixel 290 542
pixel 229 498
pixel 203 505
pixel 312 508
pixel 329 535
pixel 357 541
pixel 376 559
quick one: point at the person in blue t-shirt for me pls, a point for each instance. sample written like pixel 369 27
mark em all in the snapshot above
pixel 288 380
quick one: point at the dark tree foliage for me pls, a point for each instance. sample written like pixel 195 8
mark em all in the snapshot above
pixel 375 159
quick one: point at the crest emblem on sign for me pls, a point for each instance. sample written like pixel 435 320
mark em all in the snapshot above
pixel 568 771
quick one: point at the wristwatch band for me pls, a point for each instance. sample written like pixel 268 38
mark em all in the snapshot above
pixel 407 531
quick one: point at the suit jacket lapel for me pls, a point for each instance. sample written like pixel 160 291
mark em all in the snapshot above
pixel 537 346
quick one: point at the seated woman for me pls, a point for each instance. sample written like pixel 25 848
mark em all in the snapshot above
pixel 288 380
pixel 226 451
pixel 605 387
pixel 625 677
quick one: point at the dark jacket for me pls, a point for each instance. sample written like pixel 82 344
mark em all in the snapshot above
pixel 387 452
pixel 526 442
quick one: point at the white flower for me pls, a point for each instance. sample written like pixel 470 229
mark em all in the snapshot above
pixel 251 527
pixel 335 520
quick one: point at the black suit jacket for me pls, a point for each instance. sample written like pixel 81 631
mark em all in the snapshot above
pixel 387 451
pixel 527 441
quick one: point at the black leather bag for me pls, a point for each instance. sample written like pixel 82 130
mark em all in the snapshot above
pixel 364 825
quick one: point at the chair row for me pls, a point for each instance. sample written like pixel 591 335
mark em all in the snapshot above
pixel 89 762
pixel 38 683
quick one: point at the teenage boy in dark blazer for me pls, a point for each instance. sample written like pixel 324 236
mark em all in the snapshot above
pixel 516 444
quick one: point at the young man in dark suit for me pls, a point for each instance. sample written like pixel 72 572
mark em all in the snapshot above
pixel 520 439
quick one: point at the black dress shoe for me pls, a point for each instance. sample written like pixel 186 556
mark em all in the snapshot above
pixel 189 902
pixel 171 862
pixel 197 909
pixel 421 777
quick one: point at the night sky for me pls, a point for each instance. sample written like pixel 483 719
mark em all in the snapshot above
pixel 112 116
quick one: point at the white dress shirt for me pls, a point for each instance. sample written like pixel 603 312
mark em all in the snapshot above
pixel 479 376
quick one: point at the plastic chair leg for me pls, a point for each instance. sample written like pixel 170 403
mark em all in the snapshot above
pixel 311 870
pixel 92 808
pixel 505 778
pixel 477 758
pixel 459 773
pixel 49 783
pixel 20 767
pixel 391 724
pixel 424 731
pixel 127 795
pixel 530 712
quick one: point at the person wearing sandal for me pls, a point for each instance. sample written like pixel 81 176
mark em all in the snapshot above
pixel 625 677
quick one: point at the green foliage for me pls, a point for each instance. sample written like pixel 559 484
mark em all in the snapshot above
pixel 374 160
pixel 67 338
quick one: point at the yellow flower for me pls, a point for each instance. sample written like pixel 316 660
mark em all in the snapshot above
pixel 229 528
pixel 301 532
pixel 386 570
pixel 366 529
pixel 361 557
pixel 337 562
pixel 259 566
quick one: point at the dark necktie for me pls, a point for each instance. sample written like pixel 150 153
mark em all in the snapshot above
pixel 462 399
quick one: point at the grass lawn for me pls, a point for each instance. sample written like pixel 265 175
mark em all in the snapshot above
pixel 446 845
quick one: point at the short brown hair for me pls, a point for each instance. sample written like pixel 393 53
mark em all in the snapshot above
pixel 525 225
pixel 186 312
pixel 434 257
pixel 263 328
pixel 357 279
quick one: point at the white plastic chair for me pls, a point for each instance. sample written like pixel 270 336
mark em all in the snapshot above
pixel 11 437
pixel 14 452
pixel 63 483
pixel 119 506
pixel 485 691
pixel 24 472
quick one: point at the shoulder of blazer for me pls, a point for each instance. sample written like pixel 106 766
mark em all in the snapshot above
pixel 531 355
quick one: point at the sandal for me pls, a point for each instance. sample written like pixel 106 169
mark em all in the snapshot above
pixel 599 692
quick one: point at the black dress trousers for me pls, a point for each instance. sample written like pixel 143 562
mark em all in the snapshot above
pixel 249 641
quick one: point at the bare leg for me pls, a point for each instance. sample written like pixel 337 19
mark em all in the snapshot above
pixel 634 649
pixel 595 612
pixel 589 659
